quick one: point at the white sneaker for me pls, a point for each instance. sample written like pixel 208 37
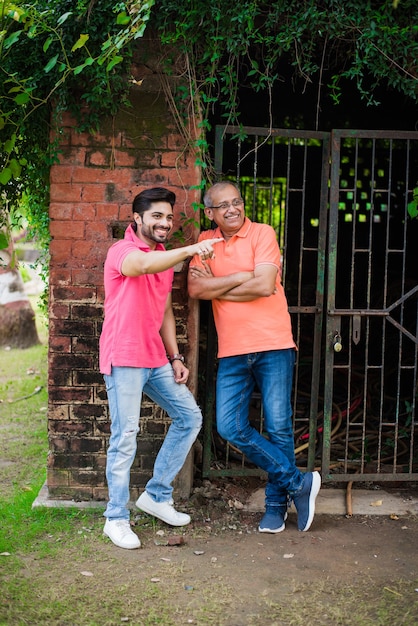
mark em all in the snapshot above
pixel 163 510
pixel 119 531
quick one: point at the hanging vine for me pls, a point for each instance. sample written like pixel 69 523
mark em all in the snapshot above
pixel 74 55
pixel 77 55
pixel 234 47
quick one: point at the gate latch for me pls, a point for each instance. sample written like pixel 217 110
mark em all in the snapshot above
pixel 356 328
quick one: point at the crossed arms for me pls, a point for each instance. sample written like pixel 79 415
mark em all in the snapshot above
pixel 236 287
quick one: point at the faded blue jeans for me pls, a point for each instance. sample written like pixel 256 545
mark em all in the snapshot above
pixel 125 386
pixel 272 371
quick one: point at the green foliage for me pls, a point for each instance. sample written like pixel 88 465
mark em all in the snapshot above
pixel 232 48
pixel 413 205
pixel 65 52
pixel 78 56
pixel 231 44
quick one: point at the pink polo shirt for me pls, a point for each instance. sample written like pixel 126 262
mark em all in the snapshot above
pixel 133 310
pixel 259 325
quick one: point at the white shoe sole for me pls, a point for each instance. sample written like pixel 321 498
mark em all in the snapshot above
pixel 120 545
pixel 161 516
pixel 271 530
pixel 316 486
pixel 274 531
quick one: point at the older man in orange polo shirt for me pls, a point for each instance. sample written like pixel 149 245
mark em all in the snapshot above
pixel 256 347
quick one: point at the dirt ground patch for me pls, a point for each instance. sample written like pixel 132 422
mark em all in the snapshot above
pixel 357 570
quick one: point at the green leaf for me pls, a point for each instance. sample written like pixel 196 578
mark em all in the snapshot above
pixel 22 98
pixel 106 44
pixel 15 13
pixel 51 63
pixel 80 68
pixel 80 43
pixel 15 168
pixel 140 31
pixel 10 144
pixel 32 32
pixel 4 242
pixel 413 209
pixel 2 123
pixel 47 44
pixel 63 17
pixel 5 175
pixel 12 39
pixel 113 62
pixel 123 19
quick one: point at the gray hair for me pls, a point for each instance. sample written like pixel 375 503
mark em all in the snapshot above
pixel 207 198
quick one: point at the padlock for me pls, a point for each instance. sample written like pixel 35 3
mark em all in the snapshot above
pixel 338 346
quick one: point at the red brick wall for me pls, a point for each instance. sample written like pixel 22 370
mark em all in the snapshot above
pixel 92 188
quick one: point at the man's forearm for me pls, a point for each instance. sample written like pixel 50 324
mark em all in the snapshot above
pixel 212 287
pixel 248 291
pixel 168 330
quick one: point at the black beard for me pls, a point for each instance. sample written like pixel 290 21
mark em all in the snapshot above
pixel 149 234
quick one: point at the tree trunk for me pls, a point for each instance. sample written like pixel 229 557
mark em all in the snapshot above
pixel 17 318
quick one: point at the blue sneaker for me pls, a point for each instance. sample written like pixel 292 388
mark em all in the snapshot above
pixel 273 520
pixel 305 500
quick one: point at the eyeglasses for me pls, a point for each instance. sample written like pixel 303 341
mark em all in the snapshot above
pixel 225 205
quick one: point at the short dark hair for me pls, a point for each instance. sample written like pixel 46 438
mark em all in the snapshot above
pixel 144 200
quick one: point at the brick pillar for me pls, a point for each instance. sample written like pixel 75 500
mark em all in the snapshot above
pixel 92 188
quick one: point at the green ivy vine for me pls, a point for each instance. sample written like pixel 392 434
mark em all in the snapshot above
pixel 56 56
pixel 66 55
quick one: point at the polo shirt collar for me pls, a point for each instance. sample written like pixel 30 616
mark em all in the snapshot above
pixel 243 231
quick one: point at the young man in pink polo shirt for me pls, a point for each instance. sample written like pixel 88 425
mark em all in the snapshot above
pixel 139 353
pixel 256 347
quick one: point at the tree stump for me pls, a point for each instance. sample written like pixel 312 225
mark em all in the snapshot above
pixel 17 318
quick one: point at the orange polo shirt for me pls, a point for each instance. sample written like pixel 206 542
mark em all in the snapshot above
pixel 262 324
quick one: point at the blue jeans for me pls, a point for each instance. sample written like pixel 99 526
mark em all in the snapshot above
pixel 272 371
pixel 124 390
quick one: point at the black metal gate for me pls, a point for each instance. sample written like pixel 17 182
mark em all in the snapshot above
pixel 331 199
pixel 370 429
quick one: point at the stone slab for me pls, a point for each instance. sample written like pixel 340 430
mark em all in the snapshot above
pixel 329 501
pixel 363 502
pixel 43 500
